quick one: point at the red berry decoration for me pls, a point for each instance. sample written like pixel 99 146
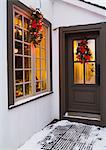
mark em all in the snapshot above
pixel 36 27
pixel 83 51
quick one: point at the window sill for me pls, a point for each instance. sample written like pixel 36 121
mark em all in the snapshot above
pixel 29 99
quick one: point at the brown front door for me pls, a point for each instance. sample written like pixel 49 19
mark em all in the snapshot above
pixel 83 72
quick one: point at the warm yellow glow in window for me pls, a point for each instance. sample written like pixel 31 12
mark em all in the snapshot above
pixel 44 75
pixel 84 73
pixel 43 53
pixel 44 85
pixel 18 20
pixel 90 73
pixel 91 45
pixel 78 73
pixel 75 44
pixel 43 64
pixel 38 75
pixel 37 52
pixel 38 64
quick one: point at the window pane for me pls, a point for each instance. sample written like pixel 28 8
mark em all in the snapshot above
pixel 27 75
pixel 19 90
pixel 38 86
pixel 43 53
pixel 75 45
pixel 18 34
pixel 78 73
pixel 91 45
pixel 27 62
pixel 43 61
pixel 18 48
pixel 27 49
pixel 18 62
pixel 38 75
pixel 28 89
pixel 26 36
pixel 18 19
pixel 26 23
pixel 38 64
pixel 37 52
pixel 19 76
pixel 44 31
pixel 83 50
pixel 44 85
pixel 90 73
pixel 44 74
pixel 43 42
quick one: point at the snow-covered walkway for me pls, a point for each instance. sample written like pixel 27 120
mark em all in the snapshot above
pixel 65 135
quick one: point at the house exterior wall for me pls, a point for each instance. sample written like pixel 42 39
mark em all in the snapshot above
pixel 20 123
pixel 66 14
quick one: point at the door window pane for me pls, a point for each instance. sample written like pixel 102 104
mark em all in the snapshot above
pixel 90 73
pixel 80 50
pixel 75 45
pixel 91 45
pixel 78 73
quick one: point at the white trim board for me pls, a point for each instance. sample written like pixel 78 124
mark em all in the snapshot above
pixel 86 6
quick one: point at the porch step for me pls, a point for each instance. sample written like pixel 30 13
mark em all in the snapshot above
pixel 83 117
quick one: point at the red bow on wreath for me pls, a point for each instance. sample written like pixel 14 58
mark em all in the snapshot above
pixel 83 51
pixel 36 27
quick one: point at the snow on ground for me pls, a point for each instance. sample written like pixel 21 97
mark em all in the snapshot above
pixel 97 135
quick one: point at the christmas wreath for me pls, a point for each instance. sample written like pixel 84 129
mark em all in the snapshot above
pixel 36 27
pixel 83 51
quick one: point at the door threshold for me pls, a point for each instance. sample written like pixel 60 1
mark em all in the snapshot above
pixel 85 116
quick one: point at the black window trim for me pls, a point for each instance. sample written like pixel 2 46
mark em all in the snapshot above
pixel 10 4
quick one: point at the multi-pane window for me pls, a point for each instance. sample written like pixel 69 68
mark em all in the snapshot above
pixel 31 65
pixel 84 72
pixel 41 63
